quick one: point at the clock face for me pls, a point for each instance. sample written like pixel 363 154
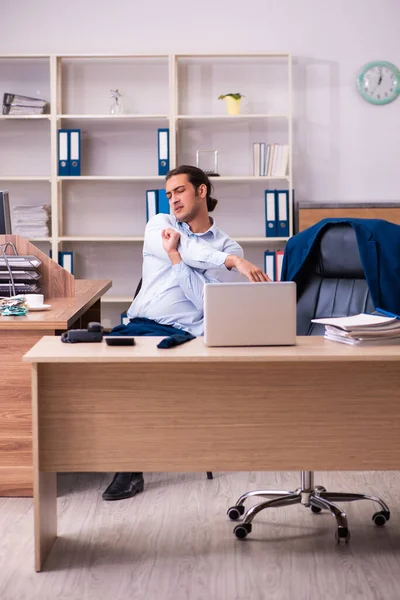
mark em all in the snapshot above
pixel 379 82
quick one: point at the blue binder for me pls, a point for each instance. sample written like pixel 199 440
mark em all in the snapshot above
pixel 74 152
pixel 163 202
pixel 270 264
pixel 282 212
pixel 63 152
pixel 66 260
pixel 151 204
pixel 163 151
pixel 270 214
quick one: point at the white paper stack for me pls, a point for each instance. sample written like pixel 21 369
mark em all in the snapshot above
pixel 31 221
pixel 362 329
pixel 15 104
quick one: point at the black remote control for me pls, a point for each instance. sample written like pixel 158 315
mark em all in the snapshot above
pixel 119 340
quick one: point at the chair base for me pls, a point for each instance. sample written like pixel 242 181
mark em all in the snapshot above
pixel 314 497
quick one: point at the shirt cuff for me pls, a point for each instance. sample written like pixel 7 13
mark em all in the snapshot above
pixel 218 258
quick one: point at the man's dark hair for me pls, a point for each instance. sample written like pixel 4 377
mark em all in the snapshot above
pixel 197 177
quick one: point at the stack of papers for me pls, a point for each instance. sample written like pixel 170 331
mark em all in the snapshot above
pixel 31 221
pixel 362 329
pixel 15 104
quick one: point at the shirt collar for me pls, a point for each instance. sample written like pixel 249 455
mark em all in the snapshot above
pixel 213 228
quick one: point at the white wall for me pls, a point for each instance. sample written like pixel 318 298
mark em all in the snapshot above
pixel 345 148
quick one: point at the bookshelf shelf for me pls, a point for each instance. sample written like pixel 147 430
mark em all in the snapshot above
pixel 24 178
pixel 116 299
pixel 108 56
pixel 113 178
pixel 240 117
pixel 260 240
pixel 236 56
pixel 133 238
pixel 224 178
pixel 250 178
pixel 123 117
pixel 101 238
pixel 177 91
pixel 25 117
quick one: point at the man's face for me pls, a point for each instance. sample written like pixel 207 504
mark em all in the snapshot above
pixel 183 200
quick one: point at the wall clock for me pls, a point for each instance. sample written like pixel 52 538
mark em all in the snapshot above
pixel 379 82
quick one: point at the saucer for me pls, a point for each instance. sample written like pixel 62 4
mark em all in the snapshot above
pixel 41 307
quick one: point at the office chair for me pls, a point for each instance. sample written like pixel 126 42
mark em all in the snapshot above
pixel 209 473
pixel 331 283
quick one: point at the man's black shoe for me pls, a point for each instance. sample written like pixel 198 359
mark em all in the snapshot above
pixel 124 485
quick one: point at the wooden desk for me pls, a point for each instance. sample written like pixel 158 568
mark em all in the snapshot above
pixel 315 406
pixel 17 335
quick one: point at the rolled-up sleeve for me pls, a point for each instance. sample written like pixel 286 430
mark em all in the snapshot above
pixel 199 254
pixel 195 252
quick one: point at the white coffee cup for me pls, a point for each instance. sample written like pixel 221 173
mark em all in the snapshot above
pixel 34 300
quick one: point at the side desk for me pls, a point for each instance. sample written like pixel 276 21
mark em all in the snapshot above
pixel 310 213
pixel 17 335
pixel 315 406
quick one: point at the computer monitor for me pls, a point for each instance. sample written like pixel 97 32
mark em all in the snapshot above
pixel 5 216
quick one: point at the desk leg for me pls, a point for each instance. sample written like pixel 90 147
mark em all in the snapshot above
pixel 44 488
pixel 45 515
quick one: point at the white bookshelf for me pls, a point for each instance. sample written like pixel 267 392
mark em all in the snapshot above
pixel 100 215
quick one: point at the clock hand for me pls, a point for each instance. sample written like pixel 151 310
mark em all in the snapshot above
pixel 379 82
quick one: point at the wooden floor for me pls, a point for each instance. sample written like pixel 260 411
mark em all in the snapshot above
pixel 174 542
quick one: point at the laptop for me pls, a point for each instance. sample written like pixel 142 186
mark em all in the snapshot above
pixel 250 314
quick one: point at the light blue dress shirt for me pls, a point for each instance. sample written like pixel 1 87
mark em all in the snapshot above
pixel 173 294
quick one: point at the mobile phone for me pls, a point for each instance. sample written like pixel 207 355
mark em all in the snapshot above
pixel 120 340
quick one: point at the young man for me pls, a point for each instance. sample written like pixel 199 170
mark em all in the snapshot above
pixel 181 253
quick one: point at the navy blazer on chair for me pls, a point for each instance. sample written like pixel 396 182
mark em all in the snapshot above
pixel 379 247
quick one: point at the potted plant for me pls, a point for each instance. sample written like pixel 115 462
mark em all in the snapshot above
pixel 232 102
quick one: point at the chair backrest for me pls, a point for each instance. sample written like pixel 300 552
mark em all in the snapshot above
pixel 331 282
pixel 138 288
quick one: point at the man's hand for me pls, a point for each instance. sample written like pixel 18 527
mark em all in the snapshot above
pixel 246 268
pixel 170 239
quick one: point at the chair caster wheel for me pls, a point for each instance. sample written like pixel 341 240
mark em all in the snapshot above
pixel 316 509
pixel 342 534
pixel 380 518
pixel 235 512
pixel 241 531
